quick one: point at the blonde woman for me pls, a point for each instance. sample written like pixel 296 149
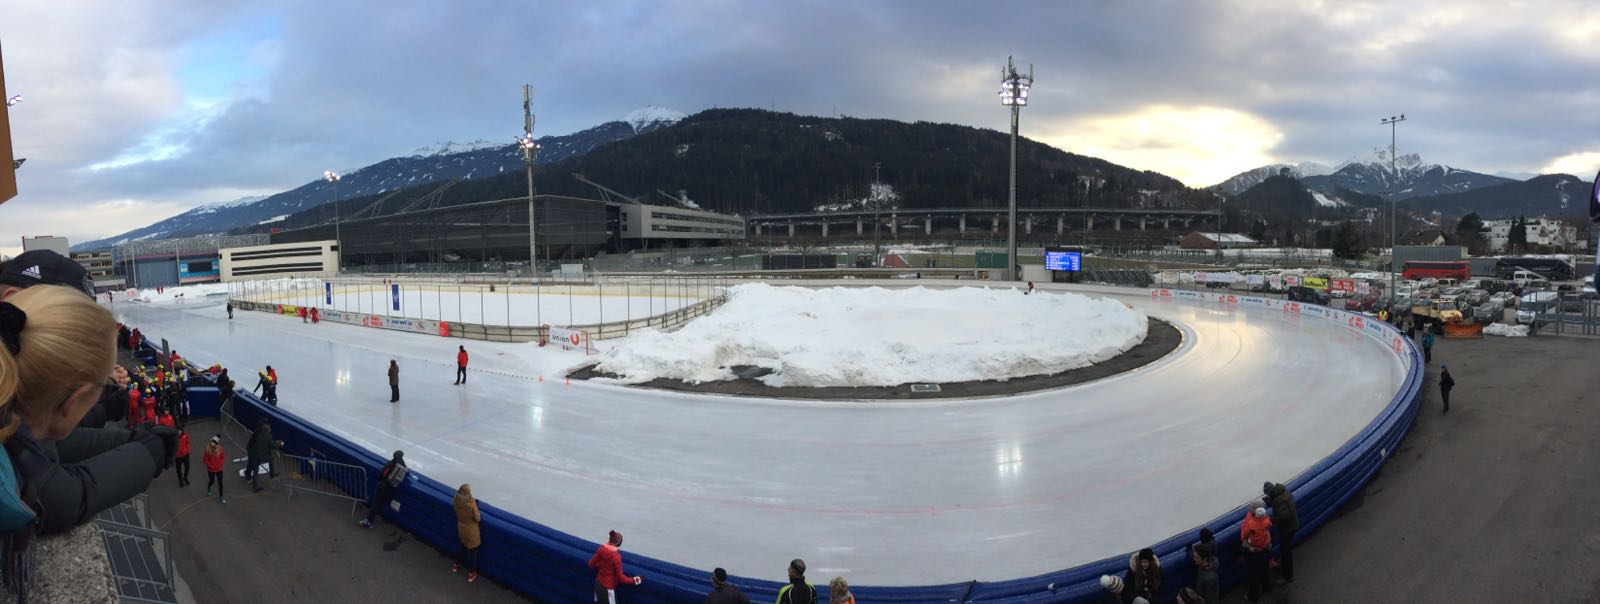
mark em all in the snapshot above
pixel 839 592
pixel 467 529
pixel 58 347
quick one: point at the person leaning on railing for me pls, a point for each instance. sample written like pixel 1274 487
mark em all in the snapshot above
pixel 59 349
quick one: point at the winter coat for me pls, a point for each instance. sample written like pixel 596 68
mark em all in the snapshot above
pixel 798 592
pixel 183 444
pixel 467 520
pixel 461 358
pixel 1283 515
pixel 260 445
pixel 727 593
pixel 1260 528
pixel 79 476
pixel 607 566
pixel 1427 339
pixel 383 474
pixel 213 457
pixel 1148 583
pixel 394 375
pixel 166 420
pixel 1446 382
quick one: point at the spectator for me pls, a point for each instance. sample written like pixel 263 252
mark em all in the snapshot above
pixel 57 350
pixel 1144 574
pixel 180 463
pixel 1188 595
pixel 1411 329
pixel 390 477
pixel 838 589
pixel 1445 384
pixel 1255 539
pixel 607 566
pixel 1111 590
pixel 259 451
pixel 213 458
pixel 1207 565
pixel 461 366
pixel 1427 346
pixel 1286 522
pixel 467 529
pixel 166 419
pixel 224 387
pixel 798 591
pixel 394 381
pixel 723 592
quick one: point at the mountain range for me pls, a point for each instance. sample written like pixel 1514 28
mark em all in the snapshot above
pixel 438 163
pixel 1550 195
pixel 1372 174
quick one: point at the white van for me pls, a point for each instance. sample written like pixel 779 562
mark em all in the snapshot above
pixel 1448 283
pixel 1523 278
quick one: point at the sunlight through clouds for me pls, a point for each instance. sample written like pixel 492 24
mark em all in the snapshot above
pixel 1200 146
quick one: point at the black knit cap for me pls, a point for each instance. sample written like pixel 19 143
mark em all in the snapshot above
pixel 44 267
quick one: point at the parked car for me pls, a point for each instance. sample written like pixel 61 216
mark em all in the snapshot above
pixel 1533 304
pixel 1475 296
pixel 1338 294
pixel 1452 291
pixel 1506 299
pixel 1362 303
pixel 1588 291
pixel 1488 312
pixel 1301 293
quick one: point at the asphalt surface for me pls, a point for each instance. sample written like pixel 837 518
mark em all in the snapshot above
pixel 1494 502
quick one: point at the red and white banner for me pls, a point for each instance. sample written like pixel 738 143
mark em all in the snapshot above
pixel 1342 285
pixel 569 339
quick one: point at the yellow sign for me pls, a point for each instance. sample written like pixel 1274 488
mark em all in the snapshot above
pixel 1314 282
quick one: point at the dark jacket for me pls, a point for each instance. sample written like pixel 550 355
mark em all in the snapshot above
pixel 394 375
pixel 1284 517
pixel 88 471
pixel 260 445
pixel 797 592
pixel 383 474
pixel 727 593
pixel 1446 382
pixel 1147 584
pixel 113 405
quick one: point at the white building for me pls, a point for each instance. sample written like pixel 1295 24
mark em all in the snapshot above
pixel 1541 231
pixel 281 260
pixel 661 222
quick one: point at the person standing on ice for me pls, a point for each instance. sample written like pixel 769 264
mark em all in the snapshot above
pixel 607 566
pixel 461 366
pixel 394 381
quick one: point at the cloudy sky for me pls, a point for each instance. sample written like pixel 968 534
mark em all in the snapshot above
pixel 135 110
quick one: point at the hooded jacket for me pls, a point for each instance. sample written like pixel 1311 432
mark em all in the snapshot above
pixel 607 566
pixel 213 457
pixel 1148 583
pixel 1283 514
pixel 467 519
pixel 1259 528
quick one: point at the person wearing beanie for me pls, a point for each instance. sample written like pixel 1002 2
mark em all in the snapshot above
pixel 1144 574
pixel 723 592
pixel 1445 384
pixel 1112 592
pixel 1286 522
pixel 607 566
pixel 1207 566
pixel 214 458
pixel 839 592
pixel 390 477
pixel 798 591
pixel 1255 539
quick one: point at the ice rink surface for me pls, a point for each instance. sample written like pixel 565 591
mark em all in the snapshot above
pixel 883 493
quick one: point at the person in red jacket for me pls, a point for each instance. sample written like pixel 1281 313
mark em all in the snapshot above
pixel 149 416
pixel 165 419
pixel 180 462
pixel 461 366
pixel 133 407
pixel 213 459
pixel 1255 538
pixel 272 373
pixel 607 566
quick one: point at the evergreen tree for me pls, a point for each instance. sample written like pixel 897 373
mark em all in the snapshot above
pixel 1517 239
pixel 1469 233
pixel 1258 230
pixel 1347 242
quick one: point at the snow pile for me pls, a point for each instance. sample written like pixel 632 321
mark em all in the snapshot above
pixel 1501 329
pixel 170 294
pixel 883 337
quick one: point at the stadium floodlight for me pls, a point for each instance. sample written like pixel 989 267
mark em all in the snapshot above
pixel 12 102
pixel 338 240
pixel 1393 122
pixel 1014 94
pixel 530 151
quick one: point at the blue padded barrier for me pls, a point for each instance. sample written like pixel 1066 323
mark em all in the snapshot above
pixel 551 566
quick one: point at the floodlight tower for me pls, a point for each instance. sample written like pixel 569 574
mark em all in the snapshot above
pixel 530 150
pixel 1014 94
pixel 1393 123
pixel 338 241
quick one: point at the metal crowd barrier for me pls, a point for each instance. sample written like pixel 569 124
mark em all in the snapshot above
pixel 322 477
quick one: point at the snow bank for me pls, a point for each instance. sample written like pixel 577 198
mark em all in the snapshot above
pixel 170 294
pixel 882 337
pixel 1501 329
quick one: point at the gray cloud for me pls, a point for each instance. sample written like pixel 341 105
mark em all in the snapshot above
pixel 1490 86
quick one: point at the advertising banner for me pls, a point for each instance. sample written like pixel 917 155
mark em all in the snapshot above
pixel 1291 280
pixel 394 293
pixel 1342 285
pixel 327 291
pixel 568 338
pixel 1256 280
pixel 1276 282
pixel 1314 282
pixel 1363 288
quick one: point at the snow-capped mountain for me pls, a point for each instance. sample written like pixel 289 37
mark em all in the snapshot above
pixel 437 163
pixel 1238 183
pixel 1409 177
pixel 650 118
pixel 1550 195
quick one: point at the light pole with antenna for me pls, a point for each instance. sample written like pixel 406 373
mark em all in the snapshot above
pixel 1393 122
